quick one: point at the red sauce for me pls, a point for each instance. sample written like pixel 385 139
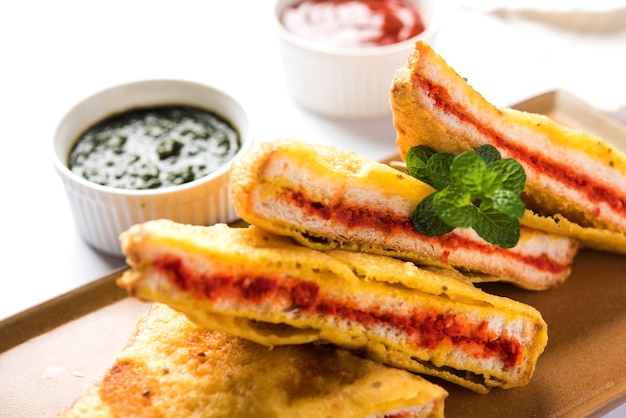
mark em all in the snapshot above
pixel 591 187
pixel 353 23
pixel 355 217
pixel 424 328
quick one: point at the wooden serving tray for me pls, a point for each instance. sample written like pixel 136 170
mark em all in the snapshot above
pixel 50 354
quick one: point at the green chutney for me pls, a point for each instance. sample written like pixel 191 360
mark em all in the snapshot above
pixel 154 147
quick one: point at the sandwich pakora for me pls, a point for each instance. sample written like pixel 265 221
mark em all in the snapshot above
pixel 576 181
pixel 173 368
pixel 327 198
pixel 269 289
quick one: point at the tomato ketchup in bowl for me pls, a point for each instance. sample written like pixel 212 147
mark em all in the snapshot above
pixel 353 23
pixel 339 56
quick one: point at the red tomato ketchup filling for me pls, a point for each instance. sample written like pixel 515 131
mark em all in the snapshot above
pixel 425 329
pixel 356 216
pixel 593 189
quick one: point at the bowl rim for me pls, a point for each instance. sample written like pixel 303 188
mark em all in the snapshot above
pixel 63 169
pixel 432 28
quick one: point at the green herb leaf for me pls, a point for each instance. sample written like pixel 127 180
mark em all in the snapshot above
pixel 416 159
pixel 488 153
pixel 438 169
pixel 511 173
pixel 454 206
pixel 478 190
pixel 427 221
pixel 497 228
pixel 467 172
pixel 504 201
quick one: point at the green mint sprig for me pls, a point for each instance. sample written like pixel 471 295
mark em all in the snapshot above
pixel 478 190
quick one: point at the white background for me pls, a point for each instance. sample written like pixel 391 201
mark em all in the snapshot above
pixel 55 53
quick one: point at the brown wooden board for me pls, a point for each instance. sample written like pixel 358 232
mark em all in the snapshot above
pixel 51 353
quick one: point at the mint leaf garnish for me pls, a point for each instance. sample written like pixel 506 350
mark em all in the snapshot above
pixel 425 214
pixel 488 153
pixel 416 159
pixel 498 228
pixel 454 206
pixel 469 172
pixel 478 190
pixel 438 169
pixel 511 173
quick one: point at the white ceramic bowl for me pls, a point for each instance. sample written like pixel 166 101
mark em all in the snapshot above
pixel 101 213
pixel 346 82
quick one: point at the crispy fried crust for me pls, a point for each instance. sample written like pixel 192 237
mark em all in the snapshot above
pixel 172 367
pixel 269 289
pixel 571 174
pixel 595 238
pixel 328 198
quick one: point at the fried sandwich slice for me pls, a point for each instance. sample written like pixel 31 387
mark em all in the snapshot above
pixel 576 181
pixel 271 290
pixel 172 367
pixel 328 198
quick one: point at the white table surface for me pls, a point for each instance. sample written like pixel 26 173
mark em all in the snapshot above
pixel 55 53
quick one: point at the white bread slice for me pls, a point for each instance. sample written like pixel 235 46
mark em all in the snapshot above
pixel 571 174
pixel 174 368
pixel 328 198
pixel 268 289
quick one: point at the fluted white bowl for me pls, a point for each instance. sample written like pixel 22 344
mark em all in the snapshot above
pixel 101 213
pixel 346 82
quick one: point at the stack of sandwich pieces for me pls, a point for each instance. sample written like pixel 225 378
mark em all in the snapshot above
pixel 331 303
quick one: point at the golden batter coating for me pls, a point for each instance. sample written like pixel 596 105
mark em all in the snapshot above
pixel 173 368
